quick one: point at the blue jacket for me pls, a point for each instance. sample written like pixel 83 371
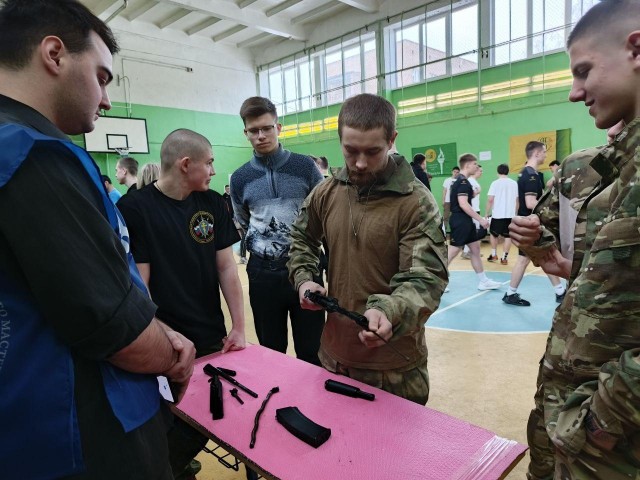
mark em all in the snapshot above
pixel 36 369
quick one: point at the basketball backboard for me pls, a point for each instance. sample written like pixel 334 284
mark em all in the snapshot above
pixel 118 133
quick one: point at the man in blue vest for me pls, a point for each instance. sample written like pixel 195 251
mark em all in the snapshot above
pixel 79 344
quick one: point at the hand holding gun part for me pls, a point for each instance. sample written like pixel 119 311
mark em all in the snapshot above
pixel 211 370
pixel 330 304
pixel 256 422
pixel 234 394
pixel 348 390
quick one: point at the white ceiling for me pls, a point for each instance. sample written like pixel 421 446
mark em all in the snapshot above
pixel 237 23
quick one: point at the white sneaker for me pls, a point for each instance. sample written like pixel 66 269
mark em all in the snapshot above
pixel 489 285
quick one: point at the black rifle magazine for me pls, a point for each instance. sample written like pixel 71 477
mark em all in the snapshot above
pixel 306 430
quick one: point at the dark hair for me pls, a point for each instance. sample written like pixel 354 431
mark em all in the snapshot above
pixel 24 23
pixel 602 16
pixel 531 147
pixel 255 107
pixel 455 168
pixel 466 158
pixel 106 179
pixel 226 186
pixel 554 163
pixel 418 158
pixel 503 169
pixel 130 164
pixel 366 112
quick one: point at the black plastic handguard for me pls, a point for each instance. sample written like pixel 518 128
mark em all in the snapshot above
pixel 306 430
pixel 215 398
pixel 330 304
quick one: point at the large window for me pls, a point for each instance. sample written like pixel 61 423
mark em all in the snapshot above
pixel 323 76
pixel 440 39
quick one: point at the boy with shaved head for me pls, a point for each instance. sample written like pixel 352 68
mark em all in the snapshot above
pixel 590 373
pixel 181 239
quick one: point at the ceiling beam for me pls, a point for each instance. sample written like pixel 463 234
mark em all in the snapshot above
pixel 368 6
pixel 281 7
pixel 249 17
pixel 228 33
pixel 202 25
pixel 141 10
pixel 252 40
pixel 246 3
pixel 315 12
pixel 173 18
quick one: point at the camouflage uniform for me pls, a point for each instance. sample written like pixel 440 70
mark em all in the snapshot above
pixel 387 252
pixel 564 222
pixel 591 368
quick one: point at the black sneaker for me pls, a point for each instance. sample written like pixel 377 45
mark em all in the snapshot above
pixel 560 298
pixel 515 300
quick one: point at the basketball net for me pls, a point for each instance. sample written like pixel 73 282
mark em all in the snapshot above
pixel 123 152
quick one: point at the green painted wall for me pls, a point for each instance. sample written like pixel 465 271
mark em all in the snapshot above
pixel 230 147
pixel 473 127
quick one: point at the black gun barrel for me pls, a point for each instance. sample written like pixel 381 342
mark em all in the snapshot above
pixel 330 304
pixel 211 370
pixel 348 390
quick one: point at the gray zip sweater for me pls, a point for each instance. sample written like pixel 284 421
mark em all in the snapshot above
pixel 267 193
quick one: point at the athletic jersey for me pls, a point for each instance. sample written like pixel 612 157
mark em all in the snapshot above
pixel 529 181
pixel 462 186
pixel 504 192
pixel 447 186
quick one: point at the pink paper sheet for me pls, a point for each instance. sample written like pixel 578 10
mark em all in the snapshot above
pixel 389 438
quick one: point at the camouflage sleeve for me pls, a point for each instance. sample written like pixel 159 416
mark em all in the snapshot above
pixel 306 240
pixel 423 276
pixel 616 403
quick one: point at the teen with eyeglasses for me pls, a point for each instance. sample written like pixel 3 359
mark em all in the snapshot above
pixel 267 193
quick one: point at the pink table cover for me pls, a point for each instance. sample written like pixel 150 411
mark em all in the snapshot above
pixel 384 439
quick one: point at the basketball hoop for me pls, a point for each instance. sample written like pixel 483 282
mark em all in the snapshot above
pixel 123 152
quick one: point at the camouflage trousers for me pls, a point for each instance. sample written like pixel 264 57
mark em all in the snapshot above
pixel 541 449
pixel 590 462
pixel 412 383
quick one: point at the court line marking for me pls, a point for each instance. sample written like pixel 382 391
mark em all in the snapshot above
pixel 467 299
pixel 484 332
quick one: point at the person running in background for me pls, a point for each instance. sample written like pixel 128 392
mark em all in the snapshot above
pixel 530 189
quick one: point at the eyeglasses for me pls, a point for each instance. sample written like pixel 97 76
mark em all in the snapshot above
pixel 255 132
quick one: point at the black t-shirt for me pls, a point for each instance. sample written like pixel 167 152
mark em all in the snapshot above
pixel 529 182
pixel 56 242
pixel 179 239
pixel 461 186
pixel 420 175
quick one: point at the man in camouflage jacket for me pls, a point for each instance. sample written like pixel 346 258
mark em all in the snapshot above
pixel 563 220
pixel 591 369
pixel 388 255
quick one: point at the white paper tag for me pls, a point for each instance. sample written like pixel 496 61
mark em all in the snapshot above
pixel 165 389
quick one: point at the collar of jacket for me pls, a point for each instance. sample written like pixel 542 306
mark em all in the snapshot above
pixel 612 157
pixel 397 176
pixel 273 160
